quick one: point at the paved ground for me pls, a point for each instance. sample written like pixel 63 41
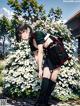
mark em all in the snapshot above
pixel 5 101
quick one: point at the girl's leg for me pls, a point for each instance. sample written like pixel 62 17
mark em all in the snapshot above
pixel 54 74
pixel 52 82
pixel 44 87
pixel 46 73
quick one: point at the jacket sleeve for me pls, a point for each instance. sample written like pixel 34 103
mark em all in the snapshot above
pixel 39 37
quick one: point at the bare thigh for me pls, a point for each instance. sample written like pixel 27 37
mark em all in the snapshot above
pixel 46 72
pixel 55 73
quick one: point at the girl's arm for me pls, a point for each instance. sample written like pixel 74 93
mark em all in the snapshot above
pixel 36 56
pixel 40 59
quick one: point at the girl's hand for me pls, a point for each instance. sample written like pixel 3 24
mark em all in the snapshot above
pixel 40 73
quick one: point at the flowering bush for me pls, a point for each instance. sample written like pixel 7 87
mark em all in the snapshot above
pixel 56 28
pixel 20 73
pixel 68 85
pixel 20 76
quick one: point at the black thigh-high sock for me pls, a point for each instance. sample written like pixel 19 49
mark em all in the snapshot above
pixel 51 87
pixel 43 91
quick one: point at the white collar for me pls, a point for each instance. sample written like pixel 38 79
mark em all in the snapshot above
pixel 47 36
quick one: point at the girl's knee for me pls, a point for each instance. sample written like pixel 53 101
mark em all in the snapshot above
pixel 53 77
pixel 46 72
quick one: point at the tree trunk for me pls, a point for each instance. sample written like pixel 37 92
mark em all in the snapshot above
pixel 3 53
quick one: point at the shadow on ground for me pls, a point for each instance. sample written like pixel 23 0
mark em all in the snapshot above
pixel 24 101
pixel 7 101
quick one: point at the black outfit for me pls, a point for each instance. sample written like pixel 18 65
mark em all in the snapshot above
pixel 51 58
pixel 52 61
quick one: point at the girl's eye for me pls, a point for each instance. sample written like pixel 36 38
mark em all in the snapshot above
pixel 20 33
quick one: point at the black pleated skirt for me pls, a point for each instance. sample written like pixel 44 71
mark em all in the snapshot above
pixel 53 59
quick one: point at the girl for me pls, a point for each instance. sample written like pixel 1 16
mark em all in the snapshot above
pixel 40 44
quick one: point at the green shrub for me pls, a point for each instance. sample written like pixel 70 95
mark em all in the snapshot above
pixel 20 74
pixel 68 85
pixel 1 67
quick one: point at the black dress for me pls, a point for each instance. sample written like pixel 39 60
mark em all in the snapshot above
pixel 51 59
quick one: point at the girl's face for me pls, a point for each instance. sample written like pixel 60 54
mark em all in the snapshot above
pixel 25 34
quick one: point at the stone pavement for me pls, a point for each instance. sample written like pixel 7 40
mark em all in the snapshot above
pixel 30 102
pixel 6 101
